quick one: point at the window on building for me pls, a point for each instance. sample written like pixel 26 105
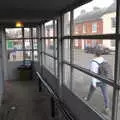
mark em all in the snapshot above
pixel 84 28
pixel 94 27
pixel 113 22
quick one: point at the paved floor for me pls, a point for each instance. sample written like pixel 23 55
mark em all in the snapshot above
pixel 24 102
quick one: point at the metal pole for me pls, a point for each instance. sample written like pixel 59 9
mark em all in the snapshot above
pixel 71 48
pixel 23 46
pixel 117 65
pixel 31 41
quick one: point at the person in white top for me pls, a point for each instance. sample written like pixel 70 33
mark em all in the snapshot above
pixel 94 67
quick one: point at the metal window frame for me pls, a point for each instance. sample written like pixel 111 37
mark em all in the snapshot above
pixel 44 52
pixel 117 65
pixel 115 36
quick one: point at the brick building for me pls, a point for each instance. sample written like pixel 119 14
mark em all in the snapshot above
pixel 98 21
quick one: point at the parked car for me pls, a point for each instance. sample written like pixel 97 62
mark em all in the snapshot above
pixel 104 50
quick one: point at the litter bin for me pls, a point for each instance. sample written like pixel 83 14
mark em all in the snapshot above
pixel 25 72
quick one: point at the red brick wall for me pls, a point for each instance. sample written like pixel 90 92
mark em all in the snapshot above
pixel 78 30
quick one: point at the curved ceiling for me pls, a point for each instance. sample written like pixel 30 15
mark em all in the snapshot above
pixel 33 10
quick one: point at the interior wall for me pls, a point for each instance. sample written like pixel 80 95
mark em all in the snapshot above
pixel 1 68
pixel 12 69
pixel 37 66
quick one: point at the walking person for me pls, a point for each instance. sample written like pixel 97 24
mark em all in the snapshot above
pixel 99 66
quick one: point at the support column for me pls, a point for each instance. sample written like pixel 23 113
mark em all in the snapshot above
pixel 1 68
pixel 4 55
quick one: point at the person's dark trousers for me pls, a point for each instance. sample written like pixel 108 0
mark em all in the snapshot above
pixel 104 90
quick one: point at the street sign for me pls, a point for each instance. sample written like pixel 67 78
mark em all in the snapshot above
pixel 9 44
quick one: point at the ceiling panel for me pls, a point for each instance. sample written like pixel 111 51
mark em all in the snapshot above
pixel 33 10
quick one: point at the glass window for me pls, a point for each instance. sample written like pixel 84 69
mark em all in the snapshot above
pixel 66 50
pixel 49 29
pixel 49 46
pixel 97 17
pixel 34 32
pixel 14 44
pixel 27 32
pixel 13 33
pixel 15 55
pixel 43 31
pixel 84 28
pixel 83 87
pixel 28 55
pixel 35 55
pixel 35 44
pixel 28 44
pixel 67 23
pixel 55 28
pixel 66 75
pixel 49 63
pixel 84 52
pixel 94 27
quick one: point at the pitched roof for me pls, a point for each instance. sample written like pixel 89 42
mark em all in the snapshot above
pixel 95 14
pixel 112 8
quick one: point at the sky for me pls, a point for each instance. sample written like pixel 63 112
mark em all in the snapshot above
pixel 95 3
pixel 89 6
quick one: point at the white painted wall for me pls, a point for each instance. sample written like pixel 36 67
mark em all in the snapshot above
pixel 107 28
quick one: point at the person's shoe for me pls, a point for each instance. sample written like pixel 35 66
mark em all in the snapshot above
pixel 106 111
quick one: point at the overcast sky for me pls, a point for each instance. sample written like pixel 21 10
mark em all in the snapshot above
pixel 89 6
pixel 95 3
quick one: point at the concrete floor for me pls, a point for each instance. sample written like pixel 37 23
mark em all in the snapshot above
pixel 24 102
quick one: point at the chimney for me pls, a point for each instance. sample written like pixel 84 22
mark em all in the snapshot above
pixel 96 8
pixel 83 11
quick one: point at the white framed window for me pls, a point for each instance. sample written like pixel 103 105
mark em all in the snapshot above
pixel 84 28
pixel 94 27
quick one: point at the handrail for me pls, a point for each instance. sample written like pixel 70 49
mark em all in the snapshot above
pixel 47 86
pixel 60 105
